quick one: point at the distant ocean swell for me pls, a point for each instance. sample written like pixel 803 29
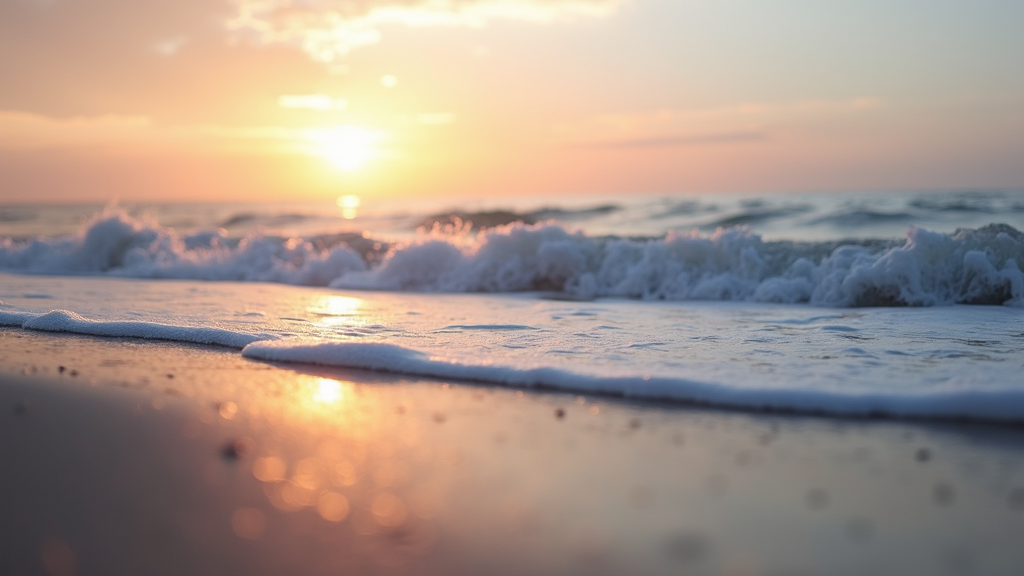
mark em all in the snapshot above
pixel 970 266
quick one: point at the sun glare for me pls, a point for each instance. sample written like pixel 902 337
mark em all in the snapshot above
pixel 347 147
pixel 334 310
pixel 349 205
pixel 317 102
pixel 327 391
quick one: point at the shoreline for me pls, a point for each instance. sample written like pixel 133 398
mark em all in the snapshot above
pixel 158 457
pixel 318 357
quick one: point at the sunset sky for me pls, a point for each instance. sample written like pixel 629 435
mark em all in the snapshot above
pixel 163 100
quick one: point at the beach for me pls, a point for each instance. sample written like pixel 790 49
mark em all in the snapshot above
pixel 125 456
pixel 511 287
pixel 521 399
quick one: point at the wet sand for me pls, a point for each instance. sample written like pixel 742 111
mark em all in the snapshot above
pixel 121 456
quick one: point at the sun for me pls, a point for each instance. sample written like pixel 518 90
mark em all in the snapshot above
pixel 347 147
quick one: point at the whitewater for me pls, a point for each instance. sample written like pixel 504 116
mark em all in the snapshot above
pixel 799 303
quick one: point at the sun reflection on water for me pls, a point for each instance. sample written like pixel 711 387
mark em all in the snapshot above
pixel 327 391
pixel 356 460
pixel 325 397
pixel 349 205
pixel 335 310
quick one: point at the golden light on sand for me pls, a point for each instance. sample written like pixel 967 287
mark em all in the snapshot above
pixel 248 523
pixel 332 506
pixel 59 559
pixel 227 410
pixel 308 474
pixel 332 477
pixel 269 469
pixel 296 496
pixel 346 147
pixel 389 510
pixel 326 400
pixel 344 473
pixel 315 402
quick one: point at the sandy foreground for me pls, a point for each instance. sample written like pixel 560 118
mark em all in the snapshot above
pixel 129 457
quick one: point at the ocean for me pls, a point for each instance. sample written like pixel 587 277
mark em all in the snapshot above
pixel 903 304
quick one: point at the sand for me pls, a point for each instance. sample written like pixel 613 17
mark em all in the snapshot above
pixel 126 457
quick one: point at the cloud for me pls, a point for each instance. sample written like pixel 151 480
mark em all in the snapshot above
pixel 318 102
pixel 674 127
pixel 23 131
pixel 170 47
pixel 679 140
pixel 327 30
pixel 160 58
pixel 191 60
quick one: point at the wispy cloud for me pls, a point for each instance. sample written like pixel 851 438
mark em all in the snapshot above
pixel 171 46
pixel 317 102
pixel 21 131
pixel 678 140
pixel 327 30
pixel 673 127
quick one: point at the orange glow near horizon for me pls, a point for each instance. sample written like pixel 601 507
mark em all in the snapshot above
pixel 289 99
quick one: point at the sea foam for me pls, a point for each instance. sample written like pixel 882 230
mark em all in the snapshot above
pixel 893 362
pixel 65 321
pixel 970 266
pixel 115 244
pixel 956 400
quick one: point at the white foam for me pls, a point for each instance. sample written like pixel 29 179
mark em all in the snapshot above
pixel 971 266
pixel 939 362
pixel 117 245
pixel 956 400
pixel 64 321
pixel 15 318
pixel 731 264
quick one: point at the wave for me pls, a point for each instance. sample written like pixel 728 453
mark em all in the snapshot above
pixel 684 208
pixel 116 244
pixel 970 266
pixel 253 219
pixel 482 220
pixel 65 321
pixel 979 202
pixel 862 217
pixel 946 403
pixel 958 398
pixel 479 220
pixel 16 215
pixel 755 214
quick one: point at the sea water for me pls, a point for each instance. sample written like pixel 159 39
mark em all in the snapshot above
pixel 903 304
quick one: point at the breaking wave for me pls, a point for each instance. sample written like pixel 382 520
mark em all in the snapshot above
pixel 970 266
